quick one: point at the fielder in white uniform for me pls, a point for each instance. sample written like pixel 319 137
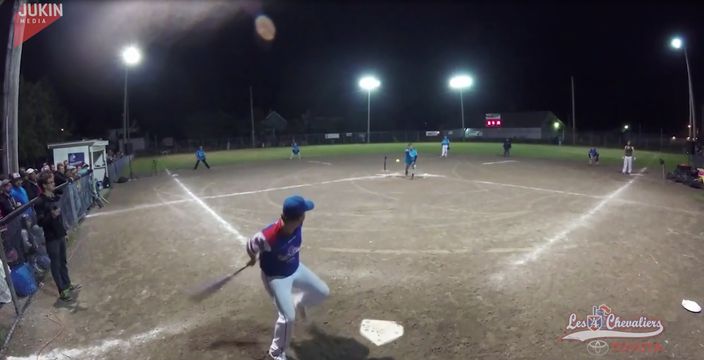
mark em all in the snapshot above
pixel 628 158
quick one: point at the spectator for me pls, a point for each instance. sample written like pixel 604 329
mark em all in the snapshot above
pixel 85 169
pixel 18 192
pixel 71 175
pixel 60 174
pixel 30 184
pixel 49 218
pixel 7 202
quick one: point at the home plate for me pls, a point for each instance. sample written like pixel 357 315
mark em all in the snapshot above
pixel 380 332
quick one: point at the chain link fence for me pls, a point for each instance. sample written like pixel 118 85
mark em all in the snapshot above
pixel 605 139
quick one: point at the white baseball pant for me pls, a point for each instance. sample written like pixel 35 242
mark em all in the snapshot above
pixel 444 151
pixel 312 291
pixel 627 164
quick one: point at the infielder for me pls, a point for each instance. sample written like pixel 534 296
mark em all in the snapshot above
pixel 278 246
pixel 295 151
pixel 628 158
pixel 200 156
pixel 593 155
pixel 445 144
pixel 411 157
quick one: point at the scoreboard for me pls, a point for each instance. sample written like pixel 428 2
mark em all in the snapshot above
pixel 492 120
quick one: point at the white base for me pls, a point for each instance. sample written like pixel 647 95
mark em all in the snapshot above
pixel 380 332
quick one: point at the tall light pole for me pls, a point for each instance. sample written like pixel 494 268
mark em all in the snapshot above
pixel 131 56
pixel 369 84
pixel 461 82
pixel 677 43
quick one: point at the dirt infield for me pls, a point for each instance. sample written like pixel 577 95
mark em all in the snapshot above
pixel 475 260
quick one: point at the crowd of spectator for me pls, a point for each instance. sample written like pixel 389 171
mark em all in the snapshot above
pixel 42 243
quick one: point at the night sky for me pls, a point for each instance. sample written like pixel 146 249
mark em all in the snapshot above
pixel 202 57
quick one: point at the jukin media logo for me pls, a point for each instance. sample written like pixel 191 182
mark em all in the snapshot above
pixel 32 18
pixel 603 323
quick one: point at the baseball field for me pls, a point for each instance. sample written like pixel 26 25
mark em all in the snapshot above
pixel 477 257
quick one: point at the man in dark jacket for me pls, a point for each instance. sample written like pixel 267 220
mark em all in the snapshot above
pixel 30 184
pixel 7 202
pixel 60 174
pixel 49 218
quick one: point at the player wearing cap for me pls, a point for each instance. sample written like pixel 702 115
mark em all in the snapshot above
pixel 18 192
pixel 628 158
pixel 278 246
pixel 30 184
pixel 593 155
pixel 445 145
pixel 295 150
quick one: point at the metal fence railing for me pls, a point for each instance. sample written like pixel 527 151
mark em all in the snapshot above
pixel 116 167
pixel 76 197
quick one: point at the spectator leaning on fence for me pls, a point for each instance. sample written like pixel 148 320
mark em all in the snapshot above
pixel 49 218
pixel 30 184
pixel 18 192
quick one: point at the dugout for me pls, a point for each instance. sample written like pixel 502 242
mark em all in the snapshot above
pixel 77 153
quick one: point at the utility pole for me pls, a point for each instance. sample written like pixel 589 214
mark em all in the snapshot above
pixel 251 112
pixel 574 119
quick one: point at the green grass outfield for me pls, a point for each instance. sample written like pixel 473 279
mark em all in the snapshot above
pixel 144 165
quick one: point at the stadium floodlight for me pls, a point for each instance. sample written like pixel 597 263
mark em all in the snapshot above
pixel 461 82
pixel 678 43
pixel 626 127
pixel 556 125
pixel 131 55
pixel 369 83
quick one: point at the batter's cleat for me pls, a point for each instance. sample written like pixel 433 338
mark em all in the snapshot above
pixel 74 287
pixel 281 356
pixel 65 296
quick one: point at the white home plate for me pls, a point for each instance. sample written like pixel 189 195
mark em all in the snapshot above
pixel 380 332
pixel 691 306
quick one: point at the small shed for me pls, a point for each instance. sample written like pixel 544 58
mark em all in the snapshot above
pixel 77 153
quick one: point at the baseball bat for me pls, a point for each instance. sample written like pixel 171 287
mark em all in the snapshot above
pixel 215 286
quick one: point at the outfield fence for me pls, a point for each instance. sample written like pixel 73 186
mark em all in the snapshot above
pixel 644 141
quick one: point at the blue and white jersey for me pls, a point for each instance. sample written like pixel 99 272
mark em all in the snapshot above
pixel 200 154
pixel 411 155
pixel 295 149
pixel 278 253
pixel 593 152
pixel 445 141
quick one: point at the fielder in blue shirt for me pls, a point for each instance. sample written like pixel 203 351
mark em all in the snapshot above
pixel 200 156
pixel 295 150
pixel 411 157
pixel 445 144
pixel 593 156
pixel 278 246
